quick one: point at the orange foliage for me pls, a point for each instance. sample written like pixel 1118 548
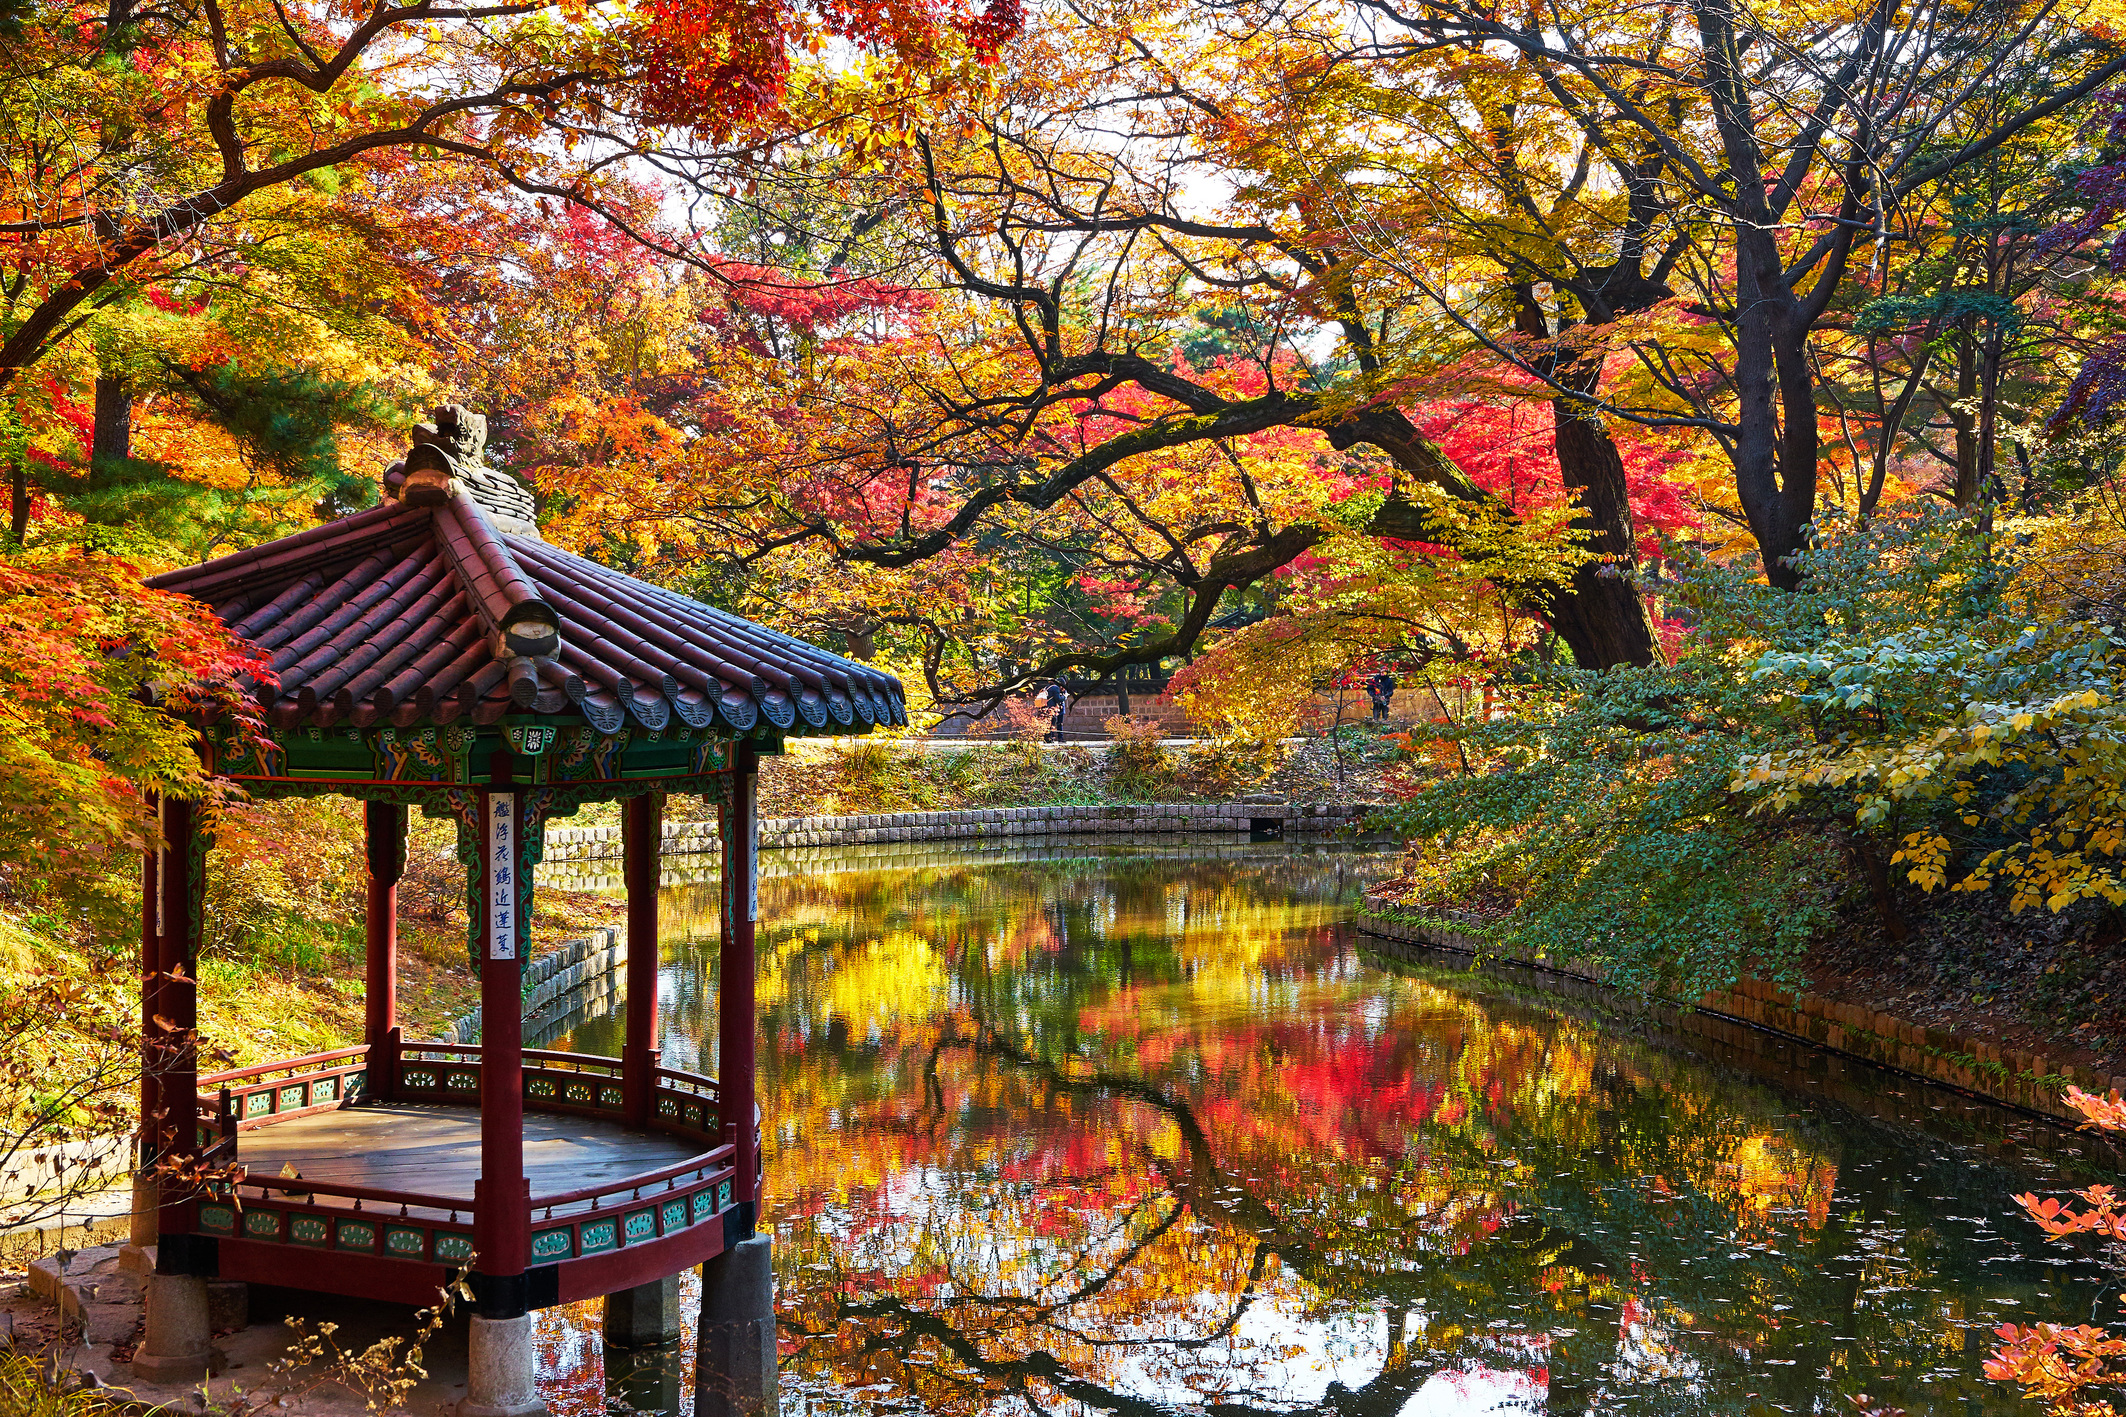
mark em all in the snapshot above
pixel 2069 1366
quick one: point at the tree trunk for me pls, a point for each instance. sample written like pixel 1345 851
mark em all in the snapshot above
pixel 1800 439
pixel 1776 441
pixel 1987 483
pixel 1776 438
pixel 1893 422
pixel 1601 616
pixel 1882 891
pixel 1960 415
pixel 112 440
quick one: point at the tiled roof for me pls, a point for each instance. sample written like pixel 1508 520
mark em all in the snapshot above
pixel 425 610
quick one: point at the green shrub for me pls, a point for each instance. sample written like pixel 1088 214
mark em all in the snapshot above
pixel 1601 819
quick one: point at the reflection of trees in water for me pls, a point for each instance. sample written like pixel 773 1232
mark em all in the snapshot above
pixel 1146 1138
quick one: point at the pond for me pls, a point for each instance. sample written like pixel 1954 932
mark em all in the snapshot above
pixel 1157 1130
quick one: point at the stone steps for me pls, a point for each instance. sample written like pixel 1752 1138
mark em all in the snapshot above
pixel 92 1288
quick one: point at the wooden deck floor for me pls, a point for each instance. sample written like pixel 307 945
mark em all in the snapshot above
pixel 436 1150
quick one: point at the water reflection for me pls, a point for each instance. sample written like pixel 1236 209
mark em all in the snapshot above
pixel 1145 1135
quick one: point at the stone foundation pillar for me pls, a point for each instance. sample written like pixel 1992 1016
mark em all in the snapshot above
pixel 138 1253
pixel 643 1316
pixel 176 1347
pixel 501 1370
pixel 735 1375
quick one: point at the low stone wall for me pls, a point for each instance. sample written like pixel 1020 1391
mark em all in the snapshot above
pixel 813 862
pixel 573 855
pixel 565 845
pixel 573 965
pixel 95 1177
pixel 2011 1076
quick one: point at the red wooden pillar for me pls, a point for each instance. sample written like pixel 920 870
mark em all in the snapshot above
pixel 641 837
pixel 385 839
pixel 502 1196
pixel 735 976
pixel 174 1047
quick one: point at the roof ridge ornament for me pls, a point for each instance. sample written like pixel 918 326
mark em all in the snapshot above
pixel 447 459
pixel 519 619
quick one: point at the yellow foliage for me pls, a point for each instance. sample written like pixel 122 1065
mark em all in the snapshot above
pixel 1250 708
pixel 2071 562
pixel 273 861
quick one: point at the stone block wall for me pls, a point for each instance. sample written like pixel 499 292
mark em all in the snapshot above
pixel 572 966
pixel 570 845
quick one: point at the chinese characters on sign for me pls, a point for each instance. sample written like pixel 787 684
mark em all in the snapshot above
pixel 501 875
pixel 749 814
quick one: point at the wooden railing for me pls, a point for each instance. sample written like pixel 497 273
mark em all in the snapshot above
pixel 443 1072
pixel 438 1229
pixel 244 1098
pixel 326 1215
pixel 686 1104
pixel 553 1081
pixel 615 1214
pixel 683 1103
pixel 573 1082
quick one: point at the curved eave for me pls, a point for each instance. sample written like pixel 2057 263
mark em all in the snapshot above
pixel 417 616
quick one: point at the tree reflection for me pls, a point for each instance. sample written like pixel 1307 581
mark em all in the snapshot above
pixel 1138 1138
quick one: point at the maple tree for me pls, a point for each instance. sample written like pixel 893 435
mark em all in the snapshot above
pixel 99 676
pixel 224 402
pixel 1030 398
pixel 1752 161
pixel 1158 514
pixel 150 152
pixel 1947 364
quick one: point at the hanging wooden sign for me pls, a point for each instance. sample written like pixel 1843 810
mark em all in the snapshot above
pixel 502 875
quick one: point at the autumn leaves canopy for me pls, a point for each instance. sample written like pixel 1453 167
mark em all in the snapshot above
pixel 1054 341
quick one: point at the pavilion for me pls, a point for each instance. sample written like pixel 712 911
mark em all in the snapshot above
pixel 434 651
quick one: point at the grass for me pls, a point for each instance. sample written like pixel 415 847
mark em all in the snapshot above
pixel 26 1391
pixel 257 1015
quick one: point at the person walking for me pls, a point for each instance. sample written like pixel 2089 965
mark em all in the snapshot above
pixel 1058 702
pixel 1381 690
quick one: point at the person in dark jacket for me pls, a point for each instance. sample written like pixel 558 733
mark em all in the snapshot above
pixel 1381 690
pixel 1058 702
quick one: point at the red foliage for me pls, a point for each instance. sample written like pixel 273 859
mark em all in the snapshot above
pixel 714 67
pixel 1126 600
pixel 77 417
pixel 1510 450
pixel 84 648
pixel 718 66
pixel 801 304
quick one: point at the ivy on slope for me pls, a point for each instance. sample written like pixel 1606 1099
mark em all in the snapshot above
pixel 1908 711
